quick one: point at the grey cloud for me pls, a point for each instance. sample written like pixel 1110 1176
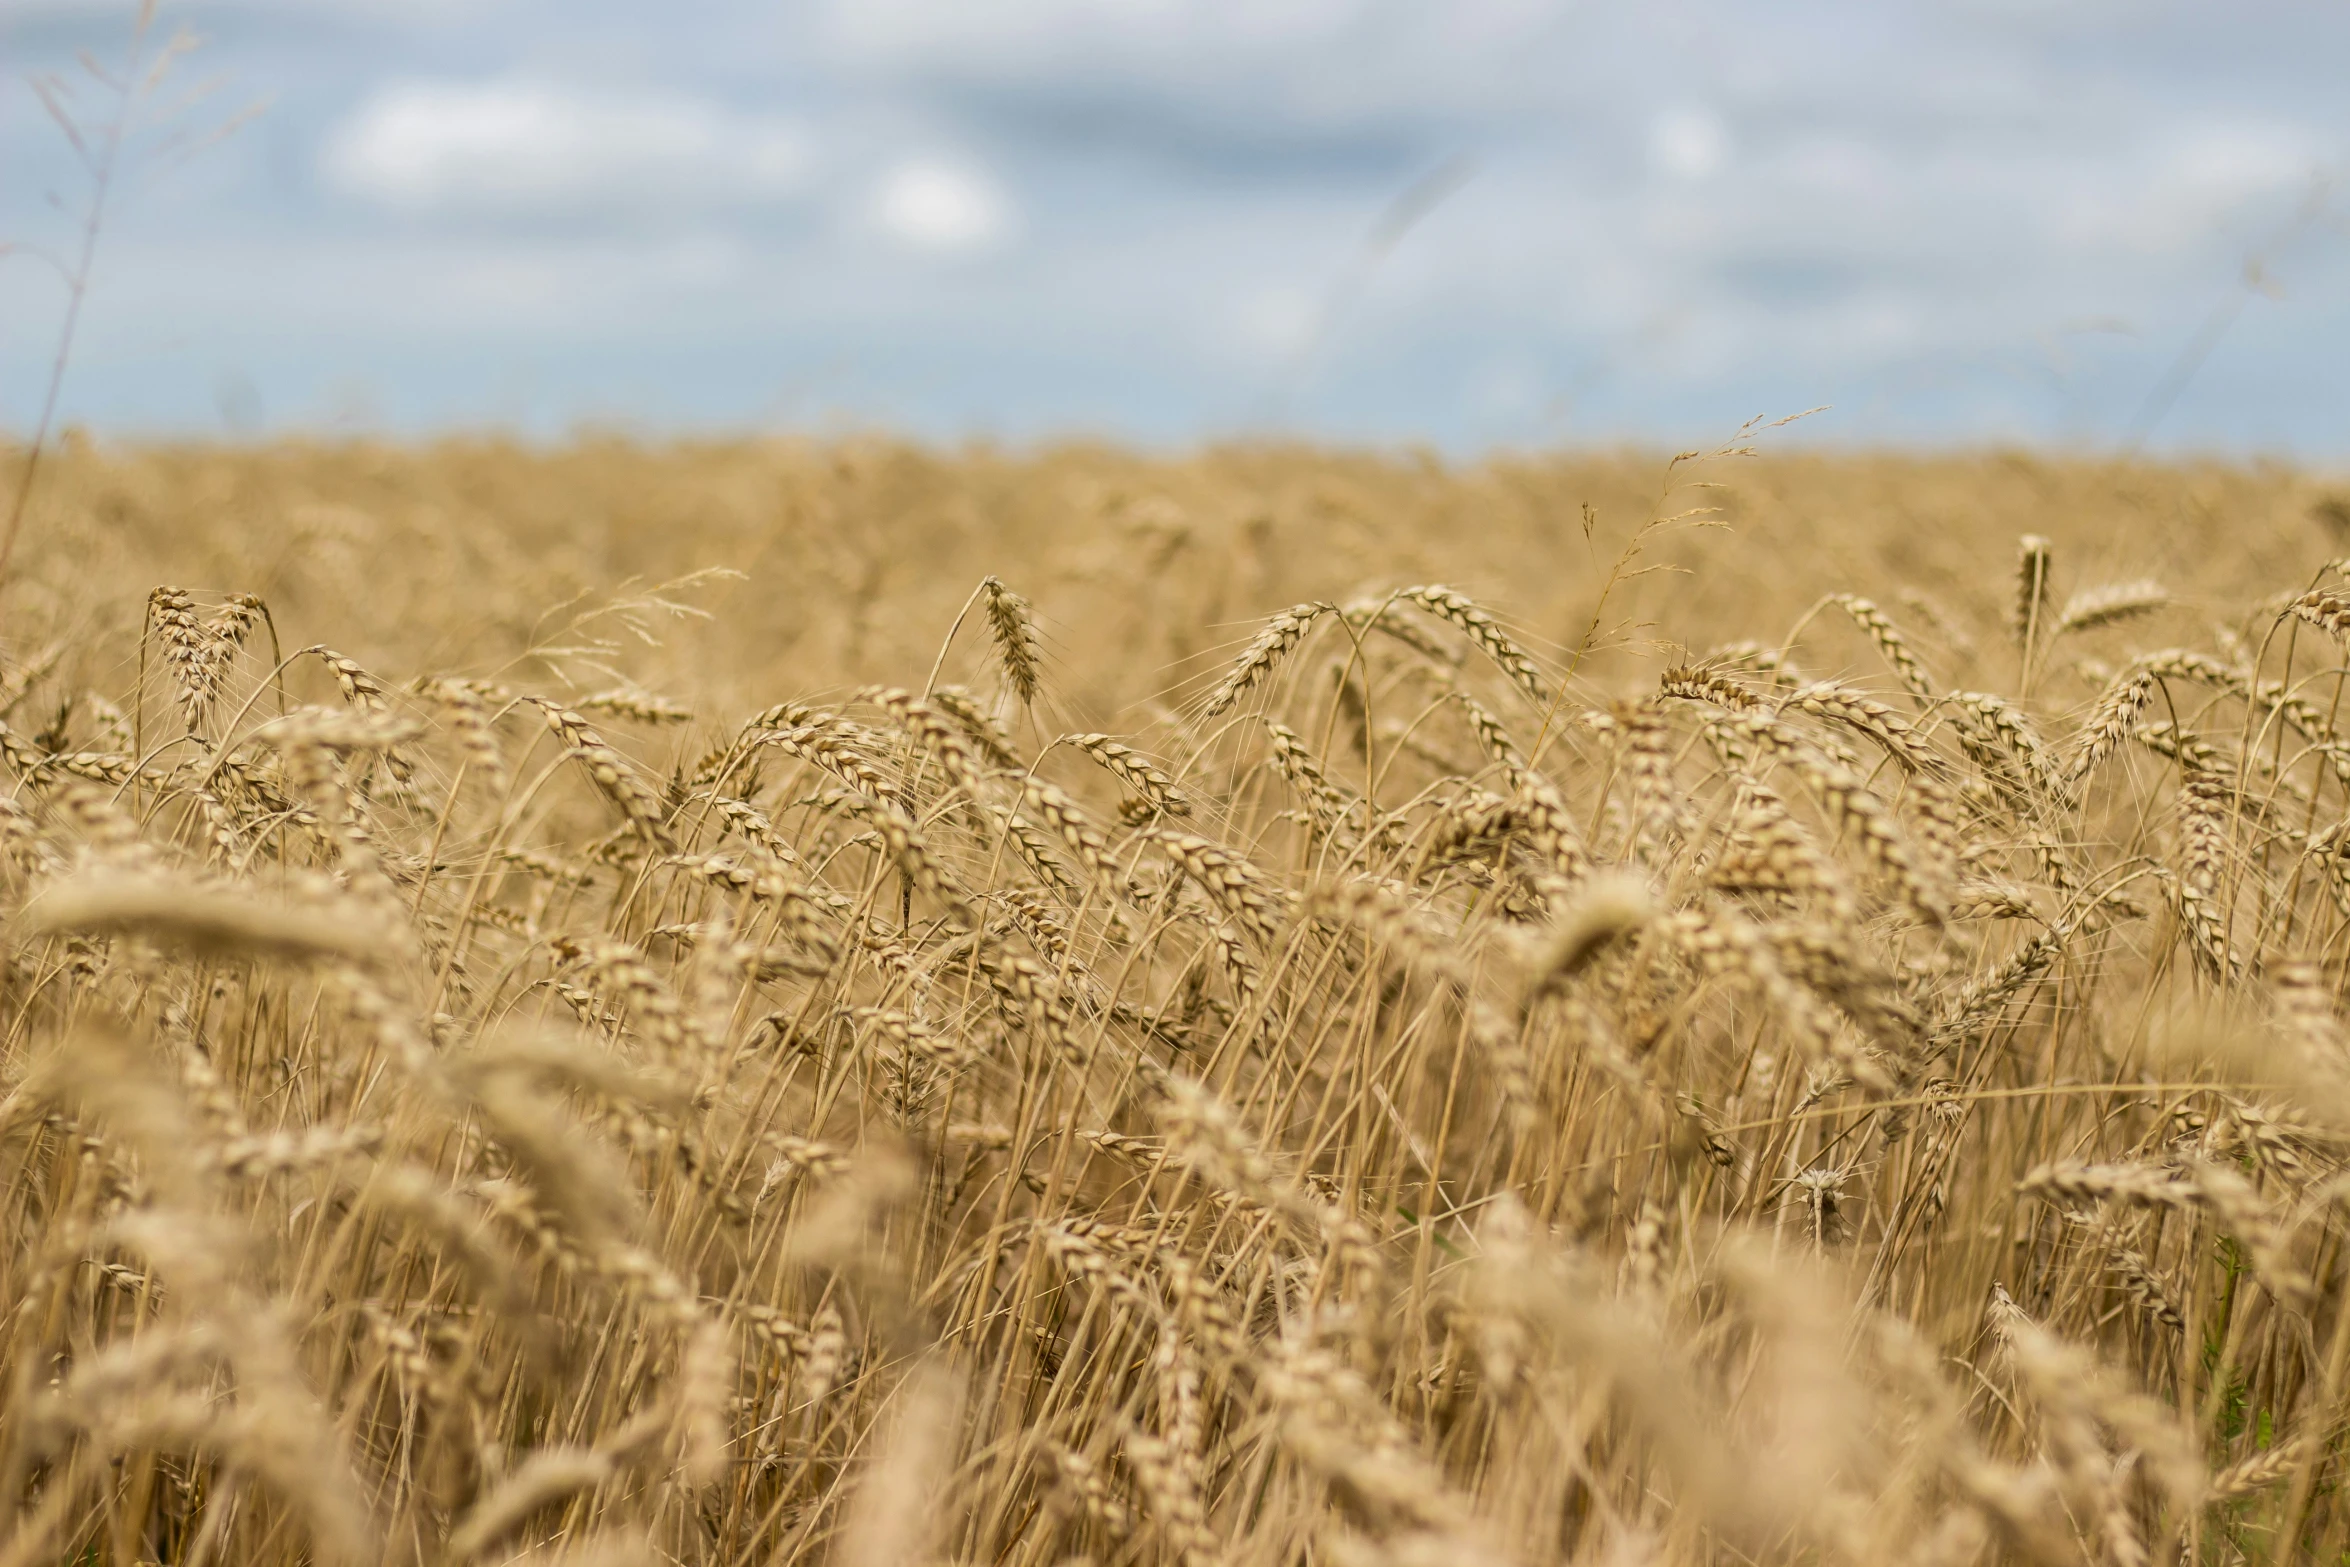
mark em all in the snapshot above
pixel 1031 214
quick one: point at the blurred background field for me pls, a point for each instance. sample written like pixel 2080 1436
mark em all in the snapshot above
pixel 1146 572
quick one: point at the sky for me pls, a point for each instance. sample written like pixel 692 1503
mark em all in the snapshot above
pixel 1473 224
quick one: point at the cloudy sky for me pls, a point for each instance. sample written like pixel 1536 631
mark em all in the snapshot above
pixel 1475 222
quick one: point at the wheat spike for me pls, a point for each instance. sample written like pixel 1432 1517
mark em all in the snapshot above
pixel 1283 632
pixel 1014 627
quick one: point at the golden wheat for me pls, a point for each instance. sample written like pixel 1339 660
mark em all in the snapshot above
pixel 1457 1078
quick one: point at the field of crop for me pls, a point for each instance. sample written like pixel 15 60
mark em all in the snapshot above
pixel 776 1003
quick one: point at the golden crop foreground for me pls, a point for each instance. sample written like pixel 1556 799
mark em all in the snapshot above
pixel 986 1037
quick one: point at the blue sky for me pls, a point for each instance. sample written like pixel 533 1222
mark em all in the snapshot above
pixel 1170 220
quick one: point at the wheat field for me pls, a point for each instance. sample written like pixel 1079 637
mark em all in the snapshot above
pixel 782 1002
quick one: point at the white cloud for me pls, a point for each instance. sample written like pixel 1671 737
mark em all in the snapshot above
pixel 2233 159
pixel 516 145
pixel 1270 325
pixel 943 206
pixel 1689 144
